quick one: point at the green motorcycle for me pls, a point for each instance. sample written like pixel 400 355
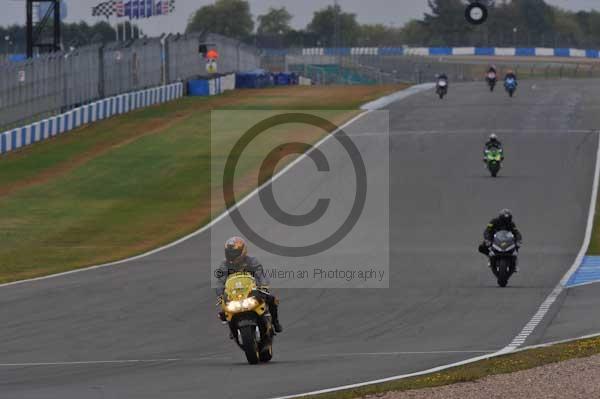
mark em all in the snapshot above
pixel 493 159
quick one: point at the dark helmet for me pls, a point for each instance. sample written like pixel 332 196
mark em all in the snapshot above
pixel 505 215
pixel 493 137
pixel 235 249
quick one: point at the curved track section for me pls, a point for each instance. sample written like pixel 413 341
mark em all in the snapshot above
pixel 147 328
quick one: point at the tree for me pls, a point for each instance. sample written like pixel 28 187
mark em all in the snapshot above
pixel 229 18
pixel 324 23
pixel 275 22
pixel 415 33
pixel 446 22
pixel 379 35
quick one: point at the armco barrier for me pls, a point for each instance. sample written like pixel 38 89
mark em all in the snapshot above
pixel 102 109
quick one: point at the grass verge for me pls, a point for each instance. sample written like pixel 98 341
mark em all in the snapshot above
pixel 126 185
pixel 505 364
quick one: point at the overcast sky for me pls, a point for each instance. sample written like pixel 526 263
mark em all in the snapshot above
pixel 388 12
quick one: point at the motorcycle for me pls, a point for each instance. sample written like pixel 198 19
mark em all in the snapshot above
pixel 503 253
pixel 491 80
pixel 493 160
pixel 510 84
pixel 247 314
pixel 442 88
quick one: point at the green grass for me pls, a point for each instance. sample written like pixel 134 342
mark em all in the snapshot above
pixel 475 371
pixel 129 184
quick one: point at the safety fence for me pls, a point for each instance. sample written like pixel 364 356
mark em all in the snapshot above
pixel 16 138
pixel 54 83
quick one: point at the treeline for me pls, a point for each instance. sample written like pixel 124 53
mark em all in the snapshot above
pixel 511 23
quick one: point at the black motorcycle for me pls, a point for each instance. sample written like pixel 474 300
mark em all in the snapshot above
pixel 503 253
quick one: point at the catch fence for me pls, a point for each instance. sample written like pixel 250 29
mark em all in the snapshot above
pixel 54 83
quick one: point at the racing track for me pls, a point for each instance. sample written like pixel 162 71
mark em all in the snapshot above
pixel 442 306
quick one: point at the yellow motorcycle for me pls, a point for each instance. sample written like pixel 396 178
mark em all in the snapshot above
pixel 248 317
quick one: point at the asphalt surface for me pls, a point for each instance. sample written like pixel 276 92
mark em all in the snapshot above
pixel 147 328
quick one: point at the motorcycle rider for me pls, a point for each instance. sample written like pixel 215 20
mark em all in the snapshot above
pixel 510 74
pixel 441 77
pixel 504 221
pixel 237 260
pixel 493 143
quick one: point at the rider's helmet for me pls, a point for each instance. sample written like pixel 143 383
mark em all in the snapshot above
pixel 235 249
pixel 493 137
pixel 505 215
pixel 510 72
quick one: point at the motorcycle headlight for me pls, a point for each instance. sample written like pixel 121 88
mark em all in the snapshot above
pixel 249 303
pixel 234 306
pixel 238 306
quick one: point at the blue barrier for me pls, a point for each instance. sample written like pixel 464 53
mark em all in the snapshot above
pixel 562 52
pixel 434 51
pixel 391 51
pixel 285 79
pixel 253 80
pixel 525 51
pixel 198 87
pixel 440 51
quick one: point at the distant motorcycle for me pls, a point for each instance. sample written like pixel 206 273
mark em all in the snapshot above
pixel 491 79
pixel 510 84
pixel 442 88
pixel 503 253
pixel 493 160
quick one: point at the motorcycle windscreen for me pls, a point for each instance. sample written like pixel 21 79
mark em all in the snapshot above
pixel 504 239
pixel 239 286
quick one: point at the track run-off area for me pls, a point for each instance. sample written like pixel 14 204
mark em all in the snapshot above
pixel 147 328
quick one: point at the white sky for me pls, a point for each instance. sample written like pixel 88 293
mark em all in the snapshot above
pixel 388 12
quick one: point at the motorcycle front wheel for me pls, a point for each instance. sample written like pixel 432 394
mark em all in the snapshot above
pixel 503 266
pixel 249 344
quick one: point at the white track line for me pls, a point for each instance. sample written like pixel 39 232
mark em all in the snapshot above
pixel 101 362
pixel 403 353
pixel 384 101
pixel 527 330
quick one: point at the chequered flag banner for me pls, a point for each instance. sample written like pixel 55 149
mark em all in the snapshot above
pixel 105 9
